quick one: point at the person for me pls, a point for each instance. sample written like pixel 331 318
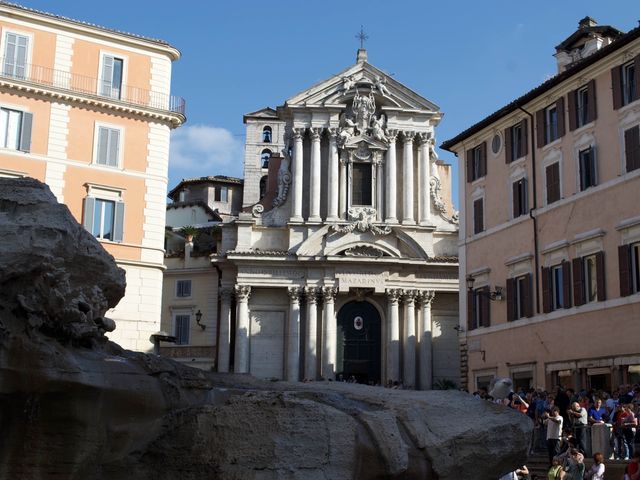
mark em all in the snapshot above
pixel 628 424
pixel 553 422
pixel 596 472
pixel 555 470
pixel 521 473
pixel 597 413
pixel 632 470
pixel 578 417
pixel 574 470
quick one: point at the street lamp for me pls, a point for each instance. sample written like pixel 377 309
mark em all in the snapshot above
pixel 495 295
pixel 198 318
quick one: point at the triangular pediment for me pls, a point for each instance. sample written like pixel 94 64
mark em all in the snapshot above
pixel 266 113
pixel 363 78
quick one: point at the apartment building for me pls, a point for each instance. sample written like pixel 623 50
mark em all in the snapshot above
pixel 549 244
pixel 88 111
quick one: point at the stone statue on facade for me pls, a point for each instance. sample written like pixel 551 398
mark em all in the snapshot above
pixel 377 128
pixel 380 85
pixel 347 129
pixel 347 84
pixel 363 108
pixel 362 219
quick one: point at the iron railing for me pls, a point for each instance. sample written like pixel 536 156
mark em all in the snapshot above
pixel 52 78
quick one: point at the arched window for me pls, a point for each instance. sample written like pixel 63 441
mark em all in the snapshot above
pixel 264 158
pixel 263 186
pixel 266 134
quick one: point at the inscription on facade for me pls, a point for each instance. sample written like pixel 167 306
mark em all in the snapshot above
pixel 280 273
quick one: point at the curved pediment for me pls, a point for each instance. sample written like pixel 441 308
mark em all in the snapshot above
pixel 363 78
pixel 364 250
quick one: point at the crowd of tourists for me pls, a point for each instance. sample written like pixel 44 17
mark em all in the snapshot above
pixel 570 425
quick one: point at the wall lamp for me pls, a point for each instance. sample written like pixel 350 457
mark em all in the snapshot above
pixel 198 318
pixel 495 295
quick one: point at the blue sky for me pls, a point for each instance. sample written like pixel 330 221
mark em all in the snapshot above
pixel 468 57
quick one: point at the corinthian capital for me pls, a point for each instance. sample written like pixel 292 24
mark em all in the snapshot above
pixel 329 294
pixel 423 138
pixel 425 297
pixel 312 295
pixel 391 134
pixel 316 133
pixel 243 292
pixel 298 133
pixel 393 295
pixel 295 293
pixel 409 296
pixel 408 136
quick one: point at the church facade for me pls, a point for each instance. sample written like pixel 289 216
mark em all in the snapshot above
pixel 343 263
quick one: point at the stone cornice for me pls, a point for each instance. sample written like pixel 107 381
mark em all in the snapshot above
pixel 174 119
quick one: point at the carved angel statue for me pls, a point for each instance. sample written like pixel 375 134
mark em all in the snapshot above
pixel 347 129
pixel 380 85
pixel 377 128
pixel 347 84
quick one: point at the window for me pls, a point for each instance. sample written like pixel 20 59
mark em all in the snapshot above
pixel 632 148
pixel 183 288
pixel 625 80
pixel 477 162
pixel 519 298
pixel 108 148
pixel 582 105
pixel 266 134
pixel 221 194
pixel 553 182
pixel 181 323
pixel 550 123
pixel 15 55
pixel 520 200
pixel 629 267
pixel 265 156
pixel 263 186
pixel 587 167
pixel 104 218
pixel 15 129
pixel 588 279
pixel 478 215
pixel 111 79
pixel 556 287
pixel 516 141
pixel 496 144
pixel 361 187
pixel 478 313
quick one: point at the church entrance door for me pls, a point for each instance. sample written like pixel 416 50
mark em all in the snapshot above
pixel 358 348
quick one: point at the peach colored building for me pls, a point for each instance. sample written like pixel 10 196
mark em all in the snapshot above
pixel 550 224
pixel 88 111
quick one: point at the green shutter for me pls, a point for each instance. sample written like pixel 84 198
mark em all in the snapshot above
pixel 89 207
pixel 118 222
pixel 25 132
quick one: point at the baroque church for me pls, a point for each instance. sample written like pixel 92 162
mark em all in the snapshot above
pixel 341 262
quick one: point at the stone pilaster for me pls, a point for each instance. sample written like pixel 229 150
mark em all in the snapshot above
pixel 343 186
pixel 334 177
pixel 311 337
pixel 391 214
pixel 330 348
pixel 296 200
pixel 423 185
pixel 242 329
pixel 393 342
pixel 314 183
pixel 407 179
pixel 293 335
pixel 425 348
pixel 410 341
pixel 224 337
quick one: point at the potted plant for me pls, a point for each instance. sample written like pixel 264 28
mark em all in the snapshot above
pixel 189 231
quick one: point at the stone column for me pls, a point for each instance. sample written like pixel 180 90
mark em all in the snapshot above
pixel 329 352
pixel 407 179
pixel 315 182
pixel 296 200
pixel 393 342
pixel 379 196
pixel 424 185
pixel 409 370
pixel 242 329
pixel 391 216
pixel 343 186
pixel 293 335
pixel 311 348
pixel 224 340
pixel 425 370
pixel 334 180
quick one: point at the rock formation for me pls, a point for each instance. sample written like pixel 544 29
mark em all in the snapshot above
pixel 75 406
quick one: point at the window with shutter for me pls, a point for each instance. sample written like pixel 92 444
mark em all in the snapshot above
pixel 519 299
pixel 108 148
pixel 590 273
pixel 552 174
pixel 15 55
pixel 104 218
pixel 587 167
pixel 632 148
pixel 477 162
pixel 582 107
pixel 15 129
pixel 111 76
pixel 183 288
pixel 629 81
pixel 181 328
pixel 478 215
pixel 634 270
pixel 520 200
pixel 551 124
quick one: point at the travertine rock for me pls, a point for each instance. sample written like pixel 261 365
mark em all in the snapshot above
pixel 75 406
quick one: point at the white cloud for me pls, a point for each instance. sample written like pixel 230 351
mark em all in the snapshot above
pixel 201 150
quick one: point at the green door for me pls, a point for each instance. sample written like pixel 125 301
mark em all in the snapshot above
pixel 359 343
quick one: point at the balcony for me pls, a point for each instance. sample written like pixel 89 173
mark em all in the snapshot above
pixel 50 78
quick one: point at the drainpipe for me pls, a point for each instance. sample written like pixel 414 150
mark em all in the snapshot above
pixel 534 183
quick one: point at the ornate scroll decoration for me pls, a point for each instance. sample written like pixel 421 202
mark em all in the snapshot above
pixel 438 202
pixel 257 210
pixel 363 251
pixel 362 220
pixel 393 295
pixel 284 174
pixel 243 292
pixel 295 294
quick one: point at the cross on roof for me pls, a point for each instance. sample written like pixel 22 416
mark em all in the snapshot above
pixel 362 36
